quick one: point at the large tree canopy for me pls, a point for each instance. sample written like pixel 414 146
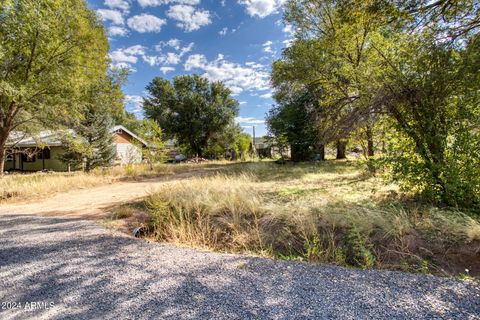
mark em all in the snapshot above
pixel 50 50
pixel 415 62
pixel 190 109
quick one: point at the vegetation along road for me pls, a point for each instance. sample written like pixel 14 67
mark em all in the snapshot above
pixel 83 271
pixel 59 253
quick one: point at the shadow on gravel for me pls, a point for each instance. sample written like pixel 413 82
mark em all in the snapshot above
pixel 91 274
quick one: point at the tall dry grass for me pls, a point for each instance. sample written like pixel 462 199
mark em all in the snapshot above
pixel 311 213
pixel 30 186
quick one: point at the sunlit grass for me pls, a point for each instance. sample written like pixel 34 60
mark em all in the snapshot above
pixel 31 186
pixel 333 212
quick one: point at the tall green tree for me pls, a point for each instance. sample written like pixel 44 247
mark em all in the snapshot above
pixel 190 109
pixel 372 58
pixel 49 51
pixel 294 120
pixel 91 144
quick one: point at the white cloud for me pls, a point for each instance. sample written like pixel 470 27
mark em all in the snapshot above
pixel 170 58
pixel 156 3
pixel 223 31
pixel 186 49
pixel 288 29
pixel 134 102
pixel 266 95
pixel 123 55
pixel 146 23
pixel 254 65
pixel 242 102
pixel 173 43
pixel 117 31
pixel 114 16
pixel 261 8
pixel 124 65
pixel 237 77
pixel 195 61
pixel 166 70
pixel 188 17
pixel 267 47
pixel 151 3
pixel 137 50
pixel 249 120
pixel 153 60
pixel 133 54
pixel 123 5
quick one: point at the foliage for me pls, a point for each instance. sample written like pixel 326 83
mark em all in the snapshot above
pixel 49 51
pixel 330 213
pixel 151 133
pixel 414 62
pixel 91 142
pixel 243 145
pixel 191 109
pixel 231 143
pixel 293 120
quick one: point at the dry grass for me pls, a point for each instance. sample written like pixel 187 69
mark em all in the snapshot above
pixel 18 187
pixel 332 213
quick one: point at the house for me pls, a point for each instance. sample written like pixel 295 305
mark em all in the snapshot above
pixel 267 148
pixel 26 153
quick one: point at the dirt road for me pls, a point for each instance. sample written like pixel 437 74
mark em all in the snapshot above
pixel 93 203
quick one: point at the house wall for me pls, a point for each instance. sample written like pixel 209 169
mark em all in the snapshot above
pixel 128 153
pixel 8 165
pixel 50 164
pixel 122 137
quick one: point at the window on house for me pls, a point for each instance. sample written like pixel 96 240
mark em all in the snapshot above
pixel 28 158
pixel 44 154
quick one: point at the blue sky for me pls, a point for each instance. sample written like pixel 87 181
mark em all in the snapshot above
pixel 234 41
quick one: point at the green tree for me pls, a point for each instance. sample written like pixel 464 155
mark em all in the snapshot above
pixel 191 109
pixel 293 119
pixel 433 98
pixel 91 144
pixel 370 58
pixel 151 133
pixel 49 51
pixel 243 145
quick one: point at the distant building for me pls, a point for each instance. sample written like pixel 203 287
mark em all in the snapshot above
pixel 266 148
pixel 25 154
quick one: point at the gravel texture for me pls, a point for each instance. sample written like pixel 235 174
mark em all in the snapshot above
pixel 88 272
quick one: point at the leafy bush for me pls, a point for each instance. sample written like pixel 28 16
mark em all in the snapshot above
pixel 458 182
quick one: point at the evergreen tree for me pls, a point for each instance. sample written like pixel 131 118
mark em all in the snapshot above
pixel 91 143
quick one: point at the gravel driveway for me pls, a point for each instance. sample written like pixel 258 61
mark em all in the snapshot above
pixel 76 269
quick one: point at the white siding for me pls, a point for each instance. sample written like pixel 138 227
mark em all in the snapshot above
pixel 128 153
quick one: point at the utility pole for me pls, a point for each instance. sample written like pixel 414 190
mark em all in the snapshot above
pixel 254 146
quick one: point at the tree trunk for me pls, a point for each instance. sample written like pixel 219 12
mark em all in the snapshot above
pixel 321 152
pixel 3 141
pixel 370 149
pixel 341 149
pixel 2 159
